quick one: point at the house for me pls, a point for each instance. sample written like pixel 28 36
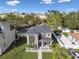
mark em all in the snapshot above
pixel 64 29
pixel 40 36
pixel 7 36
pixel 74 37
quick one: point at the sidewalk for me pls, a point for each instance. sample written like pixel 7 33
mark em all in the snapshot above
pixel 40 54
pixel 39 51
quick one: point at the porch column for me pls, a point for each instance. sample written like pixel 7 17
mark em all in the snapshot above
pixel 50 42
pixel 27 40
pixel 42 44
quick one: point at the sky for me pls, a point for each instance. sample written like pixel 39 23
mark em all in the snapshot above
pixel 38 6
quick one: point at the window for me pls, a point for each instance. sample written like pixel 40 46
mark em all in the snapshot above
pixel 48 34
pixel 4 44
pixel 3 36
pixel 31 40
pixel 11 27
pixel 0 30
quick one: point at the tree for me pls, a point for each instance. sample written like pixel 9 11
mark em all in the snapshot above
pixel 54 19
pixel 72 20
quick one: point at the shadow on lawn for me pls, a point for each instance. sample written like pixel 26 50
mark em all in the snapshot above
pixel 16 43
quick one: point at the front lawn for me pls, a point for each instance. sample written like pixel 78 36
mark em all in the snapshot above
pixel 61 53
pixel 47 55
pixel 18 52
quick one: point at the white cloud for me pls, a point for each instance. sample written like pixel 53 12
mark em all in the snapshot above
pixel 46 2
pixel 13 10
pixel 13 2
pixel 62 1
pixel 70 10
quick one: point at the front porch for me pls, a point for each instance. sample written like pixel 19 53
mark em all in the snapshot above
pixel 45 43
pixel 41 49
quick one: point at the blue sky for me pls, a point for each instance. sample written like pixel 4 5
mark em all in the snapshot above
pixel 38 5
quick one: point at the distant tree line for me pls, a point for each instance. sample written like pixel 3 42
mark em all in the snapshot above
pixel 54 19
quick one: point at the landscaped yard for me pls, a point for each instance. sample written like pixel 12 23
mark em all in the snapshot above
pixel 18 52
pixel 47 55
pixel 60 53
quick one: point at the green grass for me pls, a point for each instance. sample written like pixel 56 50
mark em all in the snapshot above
pixel 18 52
pixel 60 53
pixel 66 34
pixel 46 55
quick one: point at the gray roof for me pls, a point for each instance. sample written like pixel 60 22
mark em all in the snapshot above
pixel 46 39
pixel 39 29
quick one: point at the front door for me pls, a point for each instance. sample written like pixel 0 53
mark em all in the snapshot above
pixel 39 44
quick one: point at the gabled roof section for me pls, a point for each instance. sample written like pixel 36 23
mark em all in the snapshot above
pixel 46 39
pixel 39 29
pixel 32 31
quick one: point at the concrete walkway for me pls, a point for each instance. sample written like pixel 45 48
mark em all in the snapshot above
pixel 40 54
pixel 39 51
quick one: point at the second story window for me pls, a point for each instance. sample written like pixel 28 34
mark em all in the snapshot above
pixel 4 44
pixel 11 27
pixel 48 34
pixel 0 30
pixel 3 36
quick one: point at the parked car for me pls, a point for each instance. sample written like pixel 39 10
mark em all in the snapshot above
pixel 74 53
pixel 58 33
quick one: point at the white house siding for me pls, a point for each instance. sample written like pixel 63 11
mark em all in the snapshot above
pixel 46 35
pixel 9 37
pixel 66 30
pixel 0 51
pixel 73 40
pixel 36 39
pixel 27 39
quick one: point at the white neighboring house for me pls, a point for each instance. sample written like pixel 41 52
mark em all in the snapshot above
pixel 7 36
pixel 64 29
pixel 69 42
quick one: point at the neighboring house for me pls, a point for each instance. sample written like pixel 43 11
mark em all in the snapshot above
pixel 40 36
pixel 66 29
pixel 70 41
pixel 74 37
pixel 7 36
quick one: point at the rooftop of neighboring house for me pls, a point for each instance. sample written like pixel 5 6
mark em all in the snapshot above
pixel 75 35
pixel 39 29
